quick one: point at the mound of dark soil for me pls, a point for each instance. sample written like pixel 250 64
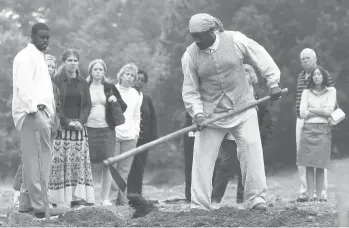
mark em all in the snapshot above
pixel 91 216
pixel 233 217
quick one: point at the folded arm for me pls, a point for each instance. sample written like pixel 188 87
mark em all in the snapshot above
pixel 328 108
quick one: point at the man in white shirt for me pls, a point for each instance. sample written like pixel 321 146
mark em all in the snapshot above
pixel 214 83
pixel 33 108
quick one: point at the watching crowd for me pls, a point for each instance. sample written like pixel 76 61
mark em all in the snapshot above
pixel 72 122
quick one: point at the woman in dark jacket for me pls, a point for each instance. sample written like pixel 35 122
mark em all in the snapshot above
pixel 71 175
pixel 100 123
pixel 148 132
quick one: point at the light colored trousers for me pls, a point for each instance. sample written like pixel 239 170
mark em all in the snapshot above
pixel 123 167
pixel 31 196
pixel 302 169
pixel 249 152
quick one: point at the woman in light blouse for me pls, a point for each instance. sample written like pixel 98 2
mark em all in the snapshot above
pixel 317 103
pixel 126 134
pixel 100 124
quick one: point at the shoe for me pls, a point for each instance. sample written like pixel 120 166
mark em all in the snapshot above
pixel 74 204
pixel 215 205
pixel 302 199
pixel 53 212
pixel 260 207
pixel 16 199
pixel 25 211
pixel 106 203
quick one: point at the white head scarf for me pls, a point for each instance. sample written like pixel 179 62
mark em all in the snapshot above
pixel 203 22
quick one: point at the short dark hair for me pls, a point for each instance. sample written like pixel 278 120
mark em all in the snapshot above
pixel 325 76
pixel 39 26
pixel 145 75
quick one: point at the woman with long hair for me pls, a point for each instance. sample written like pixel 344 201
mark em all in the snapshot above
pixel 100 124
pixel 317 103
pixel 71 175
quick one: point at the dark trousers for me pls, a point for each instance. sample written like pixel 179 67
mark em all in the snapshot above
pixel 226 165
pixel 135 177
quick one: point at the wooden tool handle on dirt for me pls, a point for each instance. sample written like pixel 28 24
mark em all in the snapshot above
pixel 42 180
pixel 193 127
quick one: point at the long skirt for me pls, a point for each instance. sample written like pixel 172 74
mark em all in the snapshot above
pixel 315 146
pixel 71 174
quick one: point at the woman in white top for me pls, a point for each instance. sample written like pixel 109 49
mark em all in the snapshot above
pixel 127 134
pixel 317 104
pixel 100 125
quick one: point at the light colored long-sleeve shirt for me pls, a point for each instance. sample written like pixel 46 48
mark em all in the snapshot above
pixel 302 83
pixel 311 99
pixel 130 129
pixel 245 48
pixel 32 85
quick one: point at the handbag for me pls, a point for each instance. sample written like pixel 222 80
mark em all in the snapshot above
pixel 116 112
pixel 336 116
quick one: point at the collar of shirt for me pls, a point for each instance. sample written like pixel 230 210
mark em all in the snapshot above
pixel 321 92
pixel 214 46
pixel 34 49
pixel 68 79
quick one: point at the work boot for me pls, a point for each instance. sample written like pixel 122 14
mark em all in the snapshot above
pixel 53 212
pixel 260 207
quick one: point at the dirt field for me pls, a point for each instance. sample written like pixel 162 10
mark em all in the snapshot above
pixel 283 188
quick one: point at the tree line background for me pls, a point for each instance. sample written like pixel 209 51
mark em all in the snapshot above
pixel 154 35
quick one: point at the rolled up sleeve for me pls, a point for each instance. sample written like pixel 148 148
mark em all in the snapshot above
pixel 23 72
pixel 303 108
pixel 190 91
pixel 260 58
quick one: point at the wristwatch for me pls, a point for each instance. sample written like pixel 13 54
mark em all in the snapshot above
pixel 41 107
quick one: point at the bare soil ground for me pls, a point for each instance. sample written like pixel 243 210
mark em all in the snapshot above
pixel 283 189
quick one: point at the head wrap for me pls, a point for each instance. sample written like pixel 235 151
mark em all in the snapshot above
pixel 203 22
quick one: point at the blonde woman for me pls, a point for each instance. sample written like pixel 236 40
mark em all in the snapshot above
pixel 51 64
pixel 52 70
pixel 127 134
pixel 100 124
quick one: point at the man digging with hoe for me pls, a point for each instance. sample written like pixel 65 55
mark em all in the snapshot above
pixel 217 95
pixel 214 83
